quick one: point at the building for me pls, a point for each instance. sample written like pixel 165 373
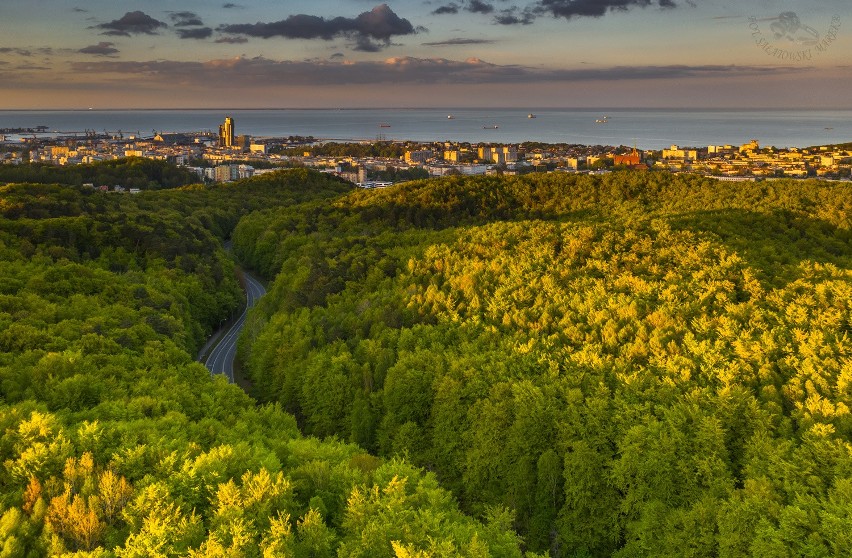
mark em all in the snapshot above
pixel 753 145
pixel 574 163
pixel 459 169
pixel 419 156
pixel 242 141
pixel 675 152
pixel 223 173
pixel 226 133
pixel 58 151
pixel 633 160
pixel 720 149
pixel 510 153
pixel 243 171
pixel 499 155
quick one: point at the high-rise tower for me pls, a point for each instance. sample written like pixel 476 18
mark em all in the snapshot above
pixel 226 133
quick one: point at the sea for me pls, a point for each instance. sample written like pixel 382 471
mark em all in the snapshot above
pixel 642 128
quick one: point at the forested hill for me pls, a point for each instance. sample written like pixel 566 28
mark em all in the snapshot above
pixel 130 172
pixel 638 364
pixel 115 443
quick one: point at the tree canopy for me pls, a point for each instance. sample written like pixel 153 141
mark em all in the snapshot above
pixel 638 364
pixel 115 443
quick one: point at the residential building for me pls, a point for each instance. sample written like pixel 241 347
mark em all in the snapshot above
pixel 419 156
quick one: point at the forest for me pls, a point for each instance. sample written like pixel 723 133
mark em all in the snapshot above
pixel 360 150
pixel 115 443
pixel 635 364
pixel 130 172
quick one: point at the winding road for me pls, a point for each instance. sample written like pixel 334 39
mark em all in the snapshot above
pixel 220 359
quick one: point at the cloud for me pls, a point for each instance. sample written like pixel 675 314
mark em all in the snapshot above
pixel 199 33
pixel 337 55
pixel 263 72
pixel 479 7
pixel 46 51
pixel 231 6
pixel 460 41
pixel 135 23
pixel 79 10
pixel 567 9
pixel 14 50
pixel 186 19
pixel 371 30
pixel 231 40
pixel 101 49
pixel 448 9
pixel 593 8
pixel 513 16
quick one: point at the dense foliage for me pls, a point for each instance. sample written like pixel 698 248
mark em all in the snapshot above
pixel 393 174
pixel 114 443
pixel 132 172
pixel 637 364
pixel 360 150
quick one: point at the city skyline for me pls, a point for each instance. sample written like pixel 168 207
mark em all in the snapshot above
pixel 431 53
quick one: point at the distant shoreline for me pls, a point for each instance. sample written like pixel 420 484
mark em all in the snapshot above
pixel 644 128
pixel 518 108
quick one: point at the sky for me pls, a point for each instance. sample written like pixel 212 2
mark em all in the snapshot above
pixel 61 54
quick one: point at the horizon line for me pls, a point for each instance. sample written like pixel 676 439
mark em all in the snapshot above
pixel 520 107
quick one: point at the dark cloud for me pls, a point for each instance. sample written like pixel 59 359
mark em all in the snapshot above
pixel 230 6
pixel 364 44
pixel 101 49
pixel 514 16
pixel 567 9
pixel 594 8
pixel 479 7
pixel 448 9
pixel 199 33
pixel 262 72
pixel 132 23
pixel 79 10
pixel 46 51
pixel 371 30
pixel 186 19
pixel 337 55
pixel 231 40
pixel 460 41
pixel 31 67
pixel 14 50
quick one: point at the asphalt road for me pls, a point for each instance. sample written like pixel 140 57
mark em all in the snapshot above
pixel 220 359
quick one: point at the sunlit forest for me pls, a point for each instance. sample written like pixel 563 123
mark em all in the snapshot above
pixel 639 364
pixel 635 364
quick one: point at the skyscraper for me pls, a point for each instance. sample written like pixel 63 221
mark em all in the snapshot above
pixel 226 133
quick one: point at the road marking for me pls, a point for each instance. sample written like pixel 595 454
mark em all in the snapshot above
pixel 221 358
